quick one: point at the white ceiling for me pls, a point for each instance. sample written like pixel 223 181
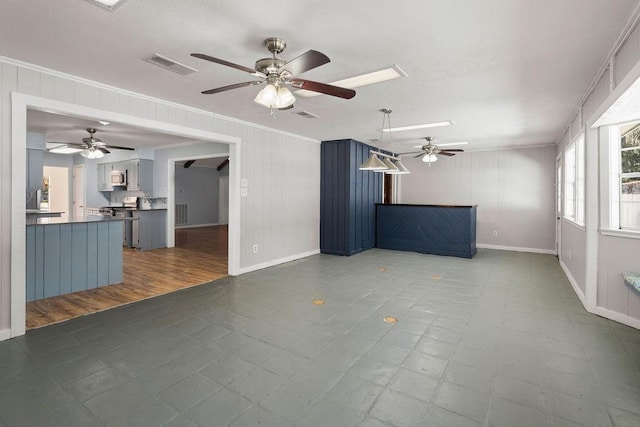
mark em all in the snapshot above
pixel 508 72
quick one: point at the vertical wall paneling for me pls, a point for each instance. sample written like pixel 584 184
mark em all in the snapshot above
pixel 79 251
pixel 102 245
pixel 347 198
pixel 51 248
pixel 92 255
pixel 115 255
pixel 627 55
pixel 39 259
pixel 8 83
pixel 66 262
pixel 31 263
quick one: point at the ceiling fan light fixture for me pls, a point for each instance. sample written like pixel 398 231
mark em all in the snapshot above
pixel 268 96
pixel 285 97
pixel 92 153
pixel 373 163
pixel 430 158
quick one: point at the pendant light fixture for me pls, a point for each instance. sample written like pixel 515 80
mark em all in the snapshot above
pixel 391 163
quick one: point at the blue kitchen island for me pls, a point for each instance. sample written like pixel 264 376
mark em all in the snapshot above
pixel 72 256
pixel 429 229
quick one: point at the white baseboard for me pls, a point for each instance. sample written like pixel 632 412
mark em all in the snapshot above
pixel 516 249
pixel 277 261
pixel 618 317
pixel 5 334
pixel 197 225
pixel 574 285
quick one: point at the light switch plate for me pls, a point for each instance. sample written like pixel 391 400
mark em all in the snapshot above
pixel 244 183
pixel 244 192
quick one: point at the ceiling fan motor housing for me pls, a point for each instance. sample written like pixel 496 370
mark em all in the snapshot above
pixel 269 65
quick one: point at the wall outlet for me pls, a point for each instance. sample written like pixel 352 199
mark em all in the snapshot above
pixel 255 248
pixel 495 233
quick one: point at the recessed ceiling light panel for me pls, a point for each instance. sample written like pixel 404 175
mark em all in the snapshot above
pixel 448 144
pixel 388 73
pixel 108 4
pixel 421 126
pixel 65 149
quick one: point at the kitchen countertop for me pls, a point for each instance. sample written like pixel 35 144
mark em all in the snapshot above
pixel 88 218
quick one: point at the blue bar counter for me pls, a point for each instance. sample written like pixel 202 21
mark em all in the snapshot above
pixel 429 229
pixel 72 256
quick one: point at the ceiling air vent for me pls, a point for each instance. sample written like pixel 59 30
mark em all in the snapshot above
pixel 307 115
pixel 170 64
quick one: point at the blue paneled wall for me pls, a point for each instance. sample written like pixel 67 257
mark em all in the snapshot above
pixel 347 198
pixel 71 257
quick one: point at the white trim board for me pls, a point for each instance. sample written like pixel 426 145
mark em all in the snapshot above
pixel 19 104
pixel 515 249
pixel 618 317
pixel 575 286
pixel 278 261
pixel 5 334
pixel 178 227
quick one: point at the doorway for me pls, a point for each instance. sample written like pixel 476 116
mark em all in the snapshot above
pixel 55 191
pixel 19 106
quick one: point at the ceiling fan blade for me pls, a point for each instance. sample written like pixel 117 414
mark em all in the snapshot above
pixel 234 86
pixel 305 62
pixel 115 147
pixel 458 150
pixel 227 63
pixel 104 150
pixel 444 153
pixel 420 155
pixel 327 89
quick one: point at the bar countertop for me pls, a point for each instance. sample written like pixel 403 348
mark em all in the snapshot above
pixel 86 219
pixel 426 206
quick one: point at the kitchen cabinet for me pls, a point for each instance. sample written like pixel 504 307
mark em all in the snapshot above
pixel 104 176
pixel 151 229
pixel 140 175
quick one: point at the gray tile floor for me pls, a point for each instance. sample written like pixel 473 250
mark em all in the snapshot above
pixel 499 340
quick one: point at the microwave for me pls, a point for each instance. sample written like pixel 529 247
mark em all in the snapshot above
pixel 118 178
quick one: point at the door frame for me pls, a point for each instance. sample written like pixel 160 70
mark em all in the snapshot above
pixel 17 221
pixel 559 183
pixel 171 192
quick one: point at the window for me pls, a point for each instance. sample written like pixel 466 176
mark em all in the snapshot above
pixel 574 181
pixel 628 181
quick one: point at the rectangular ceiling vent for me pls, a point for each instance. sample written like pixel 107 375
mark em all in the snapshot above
pixel 307 115
pixel 170 64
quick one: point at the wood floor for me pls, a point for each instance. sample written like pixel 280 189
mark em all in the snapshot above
pixel 200 256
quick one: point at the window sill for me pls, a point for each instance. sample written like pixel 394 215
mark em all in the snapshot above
pixel 621 233
pixel 574 224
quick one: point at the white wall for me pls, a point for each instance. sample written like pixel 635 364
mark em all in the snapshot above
pixel 281 212
pixel 198 188
pixel 598 259
pixel 514 190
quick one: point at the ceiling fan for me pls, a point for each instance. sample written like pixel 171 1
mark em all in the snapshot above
pixel 278 73
pixel 91 147
pixel 429 152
